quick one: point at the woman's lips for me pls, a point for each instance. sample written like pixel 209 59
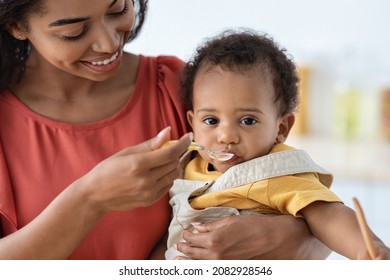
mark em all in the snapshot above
pixel 106 61
pixel 105 65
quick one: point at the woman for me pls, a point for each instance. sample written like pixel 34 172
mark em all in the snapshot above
pixel 79 177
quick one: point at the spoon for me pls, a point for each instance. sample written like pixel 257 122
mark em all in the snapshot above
pixel 364 229
pixel 218 155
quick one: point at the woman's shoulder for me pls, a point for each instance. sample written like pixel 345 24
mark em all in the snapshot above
pixel 158 86
pixel 165 66
pixel 170 61
pixel 160 74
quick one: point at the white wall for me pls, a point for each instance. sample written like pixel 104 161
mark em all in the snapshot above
pixel 320 34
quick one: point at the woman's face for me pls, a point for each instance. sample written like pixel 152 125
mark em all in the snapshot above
pixel 84 38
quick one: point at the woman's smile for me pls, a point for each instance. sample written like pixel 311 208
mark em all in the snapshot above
pixel 106 61
pixel 106 64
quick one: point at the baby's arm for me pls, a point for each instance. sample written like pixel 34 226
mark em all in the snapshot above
pixel 337 227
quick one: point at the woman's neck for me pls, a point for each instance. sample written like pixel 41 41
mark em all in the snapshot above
pixel 70 99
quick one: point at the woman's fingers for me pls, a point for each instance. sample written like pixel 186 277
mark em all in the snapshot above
pixel 154 144
pixel 233 237
pixel 191 252
pixel 165 182
pixel 137 176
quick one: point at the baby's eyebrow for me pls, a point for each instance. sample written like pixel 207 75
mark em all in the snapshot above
pixel 254 110
pixel 206 110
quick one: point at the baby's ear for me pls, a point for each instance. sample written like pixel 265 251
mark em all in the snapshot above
pixel 286 122
pixel 190 117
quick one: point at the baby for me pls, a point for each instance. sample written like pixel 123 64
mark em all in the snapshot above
pixel 241 92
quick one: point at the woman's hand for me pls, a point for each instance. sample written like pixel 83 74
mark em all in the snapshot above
pixel 134 177
pixel 137 176
pixel 252 237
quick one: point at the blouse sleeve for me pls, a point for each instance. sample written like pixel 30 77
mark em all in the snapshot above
pixel 168 83
pixel 7 206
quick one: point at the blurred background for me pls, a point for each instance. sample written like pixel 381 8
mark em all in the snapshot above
pixel 342 51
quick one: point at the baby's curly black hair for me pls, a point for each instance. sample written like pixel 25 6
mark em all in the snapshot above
pixel 241 50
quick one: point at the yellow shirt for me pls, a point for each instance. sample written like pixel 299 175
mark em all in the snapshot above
pixel 285 194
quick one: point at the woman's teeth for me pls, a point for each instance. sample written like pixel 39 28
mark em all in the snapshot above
pixel 106 61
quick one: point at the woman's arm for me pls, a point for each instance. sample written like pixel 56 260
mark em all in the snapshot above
pixel 253 237
pixel 158 252
pixel 58 230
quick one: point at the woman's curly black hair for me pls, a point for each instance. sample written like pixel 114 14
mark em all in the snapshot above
pixel 14 53
pixel 241 50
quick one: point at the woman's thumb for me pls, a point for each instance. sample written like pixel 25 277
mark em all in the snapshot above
pixel 162 137
pixel 155 142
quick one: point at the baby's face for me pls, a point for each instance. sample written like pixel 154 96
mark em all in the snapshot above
pixel 234 112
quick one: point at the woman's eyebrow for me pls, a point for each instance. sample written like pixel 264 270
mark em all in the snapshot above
pixel 113 3
pixel 66 21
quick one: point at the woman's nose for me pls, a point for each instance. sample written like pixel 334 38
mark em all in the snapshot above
pixel 106 40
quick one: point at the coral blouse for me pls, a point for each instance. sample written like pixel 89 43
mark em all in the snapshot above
pixel 40 157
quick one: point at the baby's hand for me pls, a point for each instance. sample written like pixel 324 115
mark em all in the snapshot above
pixel 383 252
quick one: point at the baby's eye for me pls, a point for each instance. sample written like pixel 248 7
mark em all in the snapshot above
pixel 210 121
pixel 248 121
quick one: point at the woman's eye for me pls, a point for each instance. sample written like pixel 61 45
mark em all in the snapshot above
pixel 121 12
pixel 76 37
pixel 210 121
pixel 248 121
